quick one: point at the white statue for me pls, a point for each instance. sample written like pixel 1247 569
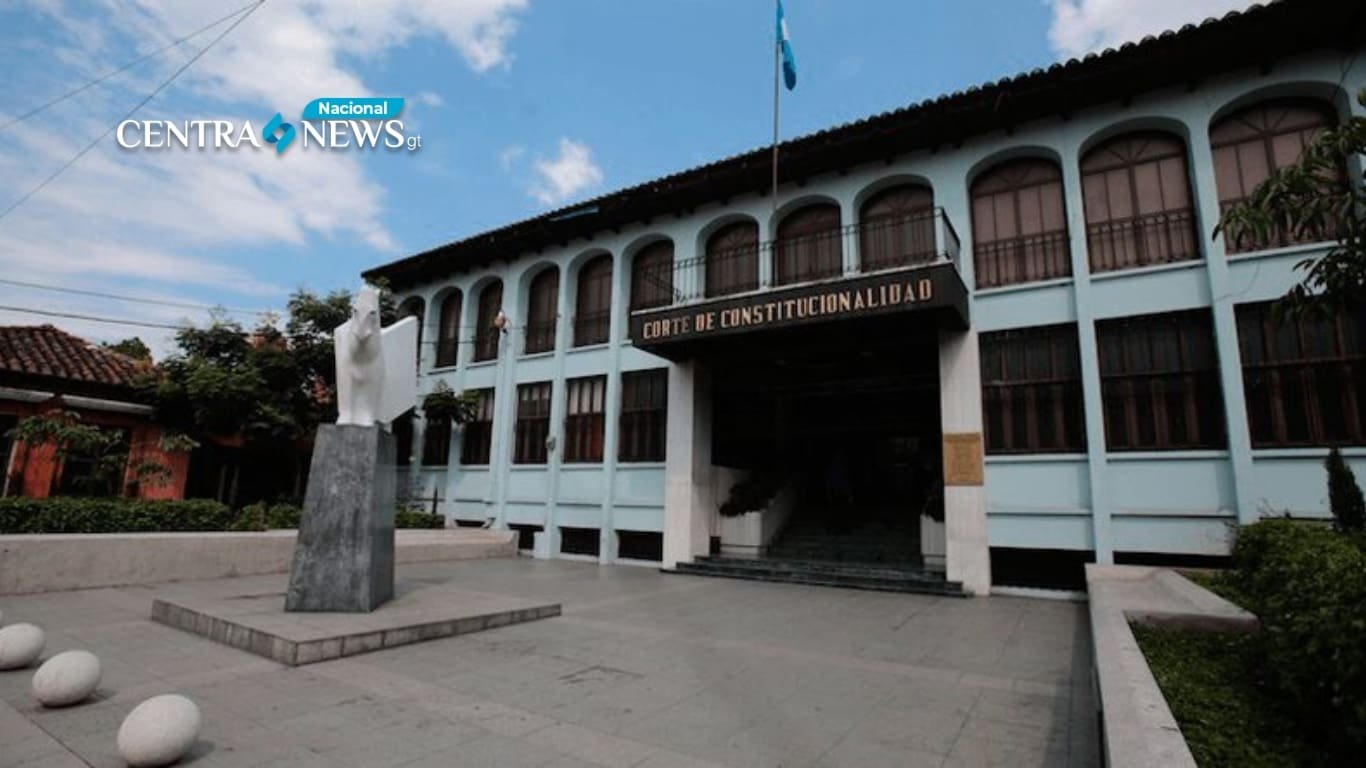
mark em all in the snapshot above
pixel 376 367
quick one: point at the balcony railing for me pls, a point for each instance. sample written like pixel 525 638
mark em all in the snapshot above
pixel 540 337
pixel 1142 241
pixel 592 328
pixel 1280 236
pixel 921 238
pixel 1023 259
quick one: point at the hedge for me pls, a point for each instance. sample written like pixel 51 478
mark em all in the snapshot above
pixel 20 514
pixel 117 515
pixel 1307 585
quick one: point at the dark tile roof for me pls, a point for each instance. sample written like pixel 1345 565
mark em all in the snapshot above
pixel 1255 38
pixel 44 353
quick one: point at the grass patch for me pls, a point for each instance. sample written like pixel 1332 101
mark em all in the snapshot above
pixel 1213 684
pixel 1220 583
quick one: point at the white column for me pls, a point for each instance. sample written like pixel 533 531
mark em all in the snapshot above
pixel 967 559
pixel 688 499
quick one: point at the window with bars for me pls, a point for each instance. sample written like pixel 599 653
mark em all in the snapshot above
pixel 1031 391
pixel 896 228
pixel 593 310
pixel 1137 199
pixel 533 423
pixel 1019 224
pixel 436 442
pixel 809 245
pixel 1254 143
pixel 477 443
pixel 1303 377
pixel 541 305
pixel 448 332
pixel 644 414
pixel 732 259
pixel 486 330
pixel 1159 377
pixel 584 419
pixel 652 276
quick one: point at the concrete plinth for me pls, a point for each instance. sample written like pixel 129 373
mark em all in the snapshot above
pixel 344 558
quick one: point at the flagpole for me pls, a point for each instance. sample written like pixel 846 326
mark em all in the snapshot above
pixel 777 65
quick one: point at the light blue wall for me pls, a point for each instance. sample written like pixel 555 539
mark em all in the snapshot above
pixel 1177 502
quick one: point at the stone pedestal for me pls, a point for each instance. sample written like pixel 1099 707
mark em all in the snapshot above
pixel 344 558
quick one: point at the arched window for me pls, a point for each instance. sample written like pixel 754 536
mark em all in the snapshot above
pixel 732 260
pixel 413 307
pixel 1019 224
pixel 652 276
pixel 808 245
pixel 486 330
pixel 448 332
pixel 896 228
pixel 1253 143
pixel 593 310
pixel 540 316
pixel 1136 190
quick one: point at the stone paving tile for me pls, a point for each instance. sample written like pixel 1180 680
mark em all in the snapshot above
pixel 643 670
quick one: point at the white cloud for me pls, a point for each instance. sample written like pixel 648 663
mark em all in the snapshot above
pixel 1084 26
pixel 566 175
pixel 429 99
pixel 509 156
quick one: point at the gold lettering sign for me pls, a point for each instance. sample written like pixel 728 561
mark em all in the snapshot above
pixel 963 458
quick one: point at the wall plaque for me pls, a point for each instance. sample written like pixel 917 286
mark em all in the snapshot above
pixel 963 458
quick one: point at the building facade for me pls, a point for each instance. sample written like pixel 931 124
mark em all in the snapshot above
pixel 1017 286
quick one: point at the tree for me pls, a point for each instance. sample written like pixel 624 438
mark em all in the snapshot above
pixel 130 347
pixel 1310 198
pixel 1344 495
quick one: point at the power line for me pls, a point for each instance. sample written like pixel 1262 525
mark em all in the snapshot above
pixel 131 112
pixel 127 66
pixel 136 299
pixel 92 318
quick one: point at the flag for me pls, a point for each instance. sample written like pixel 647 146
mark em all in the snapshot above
pixel 785 45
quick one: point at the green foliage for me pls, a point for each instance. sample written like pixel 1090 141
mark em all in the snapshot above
pixel 1307 584
pixel 21 514
pixel 1213 683
pixel 442 402
pixel 409 518
pixel 282 515
pixel 1310 198
pixel 131 347
pixel 1344 495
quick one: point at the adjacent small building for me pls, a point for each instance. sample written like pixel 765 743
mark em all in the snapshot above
pixel 992 328
pixel 45 369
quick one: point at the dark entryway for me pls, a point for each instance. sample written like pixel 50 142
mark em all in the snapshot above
pixel 847 414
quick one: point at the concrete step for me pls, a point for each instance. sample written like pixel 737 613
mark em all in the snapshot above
pixel 824 574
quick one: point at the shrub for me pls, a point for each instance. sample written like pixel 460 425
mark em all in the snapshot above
pixel 407 518
pixel 250 518
pixel 1344 495
pixel 1307 584
pixel 283 515
pixel 111 515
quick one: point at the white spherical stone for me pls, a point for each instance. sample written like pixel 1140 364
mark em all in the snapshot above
pixel 159 731
pixel 67 678
pixel 20 645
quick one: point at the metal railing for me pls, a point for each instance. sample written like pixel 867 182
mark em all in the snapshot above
pixel 540 337
pixel 1022 259
pixel 919 238
pixel 1282 234
pixel 1142 241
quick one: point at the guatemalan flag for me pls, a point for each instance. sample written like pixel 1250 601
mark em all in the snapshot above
pixel 785 46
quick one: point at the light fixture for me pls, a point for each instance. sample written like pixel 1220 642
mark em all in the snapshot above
pixel 500 321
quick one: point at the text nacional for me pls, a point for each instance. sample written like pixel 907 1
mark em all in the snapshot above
pixel 832 303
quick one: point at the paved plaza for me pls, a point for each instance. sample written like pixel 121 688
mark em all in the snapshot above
pixel 642 669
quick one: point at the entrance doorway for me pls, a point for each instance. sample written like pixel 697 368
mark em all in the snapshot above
pixel 841 421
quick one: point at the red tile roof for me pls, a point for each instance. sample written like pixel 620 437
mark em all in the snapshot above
pixel 42 350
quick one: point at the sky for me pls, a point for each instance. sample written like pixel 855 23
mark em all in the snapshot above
pixel 523 106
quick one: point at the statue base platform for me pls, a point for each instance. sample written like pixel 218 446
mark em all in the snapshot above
pixel 344 557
